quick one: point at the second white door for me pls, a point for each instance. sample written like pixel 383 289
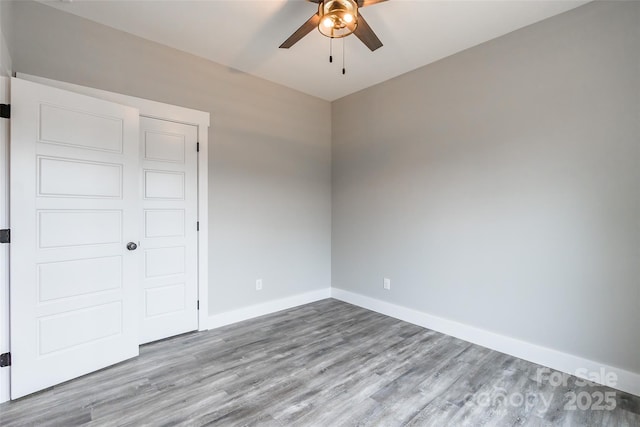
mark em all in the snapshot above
pixel 169 279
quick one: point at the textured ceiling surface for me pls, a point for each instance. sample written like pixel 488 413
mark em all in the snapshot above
pixel 245 34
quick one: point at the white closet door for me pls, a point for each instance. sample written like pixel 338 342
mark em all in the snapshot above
pixel 169 285
pixel 75 203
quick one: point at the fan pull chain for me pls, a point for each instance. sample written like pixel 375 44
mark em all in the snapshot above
pixel 344 70
pixel 330 50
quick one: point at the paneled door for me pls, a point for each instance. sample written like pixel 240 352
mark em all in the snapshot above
pixel 75 203
pixel 169 284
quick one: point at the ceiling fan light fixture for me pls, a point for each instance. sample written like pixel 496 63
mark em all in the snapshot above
pixel 338 18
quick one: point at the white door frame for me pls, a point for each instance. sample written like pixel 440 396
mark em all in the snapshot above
pixel 147 108
pixel 4 249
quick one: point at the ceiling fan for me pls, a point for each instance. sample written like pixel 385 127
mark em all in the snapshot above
pixel 337 19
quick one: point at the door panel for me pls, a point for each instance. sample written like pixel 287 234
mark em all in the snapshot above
pixel 164 222
pixel 99 132
pixel 75 178
pixel 164 147
pixel 169 290
pixel 162 262
pixel 163 185
pixel 75 198
pixel 68 279
pixel 162 300
pixel 66 331
pixel 64 228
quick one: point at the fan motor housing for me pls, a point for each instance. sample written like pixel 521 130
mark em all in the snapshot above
pixel 338 18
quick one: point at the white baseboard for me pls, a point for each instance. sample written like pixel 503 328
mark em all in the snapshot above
pixel 229 317
pixel 563 362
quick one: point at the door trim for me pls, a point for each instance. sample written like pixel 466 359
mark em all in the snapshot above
pixel 4 248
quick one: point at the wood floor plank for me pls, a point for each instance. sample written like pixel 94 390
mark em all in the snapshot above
pixel 323 364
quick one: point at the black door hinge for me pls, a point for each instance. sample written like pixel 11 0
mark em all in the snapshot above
pixel 5 111
pixel 5 236
pixel 5 360
pixel 198 226
pixel 198 305
pixel 198 147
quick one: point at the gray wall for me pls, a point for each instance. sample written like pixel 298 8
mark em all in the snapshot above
pixel 5 26
pixel 270 148
pixel 500 187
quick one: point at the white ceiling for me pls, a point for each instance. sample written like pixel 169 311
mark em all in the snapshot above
pixel 245 34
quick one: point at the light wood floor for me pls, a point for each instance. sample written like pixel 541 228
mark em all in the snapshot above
pixel 323 364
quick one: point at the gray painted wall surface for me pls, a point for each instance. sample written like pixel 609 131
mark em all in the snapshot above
pixel 5 27
pixel 500 187
pixel 270 148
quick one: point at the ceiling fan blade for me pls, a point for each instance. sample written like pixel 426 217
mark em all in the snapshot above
pixel 304 29
pixel 366 35
pixel 365 3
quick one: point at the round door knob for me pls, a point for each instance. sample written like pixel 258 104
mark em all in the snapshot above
pixel 132 246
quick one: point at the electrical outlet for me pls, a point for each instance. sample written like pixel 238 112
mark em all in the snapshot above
pixel 259 285
pixel 386 283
